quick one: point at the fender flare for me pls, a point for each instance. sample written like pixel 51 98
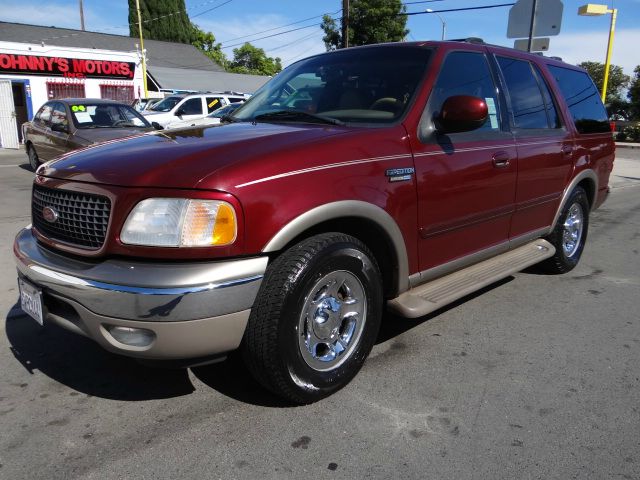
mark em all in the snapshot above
pixel 342 209
pixel 584 174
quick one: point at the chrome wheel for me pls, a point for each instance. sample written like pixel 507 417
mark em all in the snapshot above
pixel 332 320
pixel 572 230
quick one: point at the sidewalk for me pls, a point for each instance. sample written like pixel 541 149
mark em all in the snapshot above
pixel 627 145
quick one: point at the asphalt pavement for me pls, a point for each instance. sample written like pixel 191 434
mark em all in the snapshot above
pixel 534 377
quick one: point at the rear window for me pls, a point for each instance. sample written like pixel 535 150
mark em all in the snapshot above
pixel 583 99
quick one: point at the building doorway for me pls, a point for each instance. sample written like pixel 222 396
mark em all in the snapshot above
pixel 8 123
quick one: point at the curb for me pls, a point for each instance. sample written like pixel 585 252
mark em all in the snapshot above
pixel 632 146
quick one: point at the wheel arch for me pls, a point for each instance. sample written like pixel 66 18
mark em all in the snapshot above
pixel 588 180
pixel 365 221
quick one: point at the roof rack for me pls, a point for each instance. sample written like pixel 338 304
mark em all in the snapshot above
pixel 468 40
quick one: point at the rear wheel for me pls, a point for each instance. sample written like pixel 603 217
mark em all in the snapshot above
pixel 570 233
pixel 316 318
pixel 34 161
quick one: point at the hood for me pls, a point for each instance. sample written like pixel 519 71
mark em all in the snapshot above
pixel 181 158
pixel 97 135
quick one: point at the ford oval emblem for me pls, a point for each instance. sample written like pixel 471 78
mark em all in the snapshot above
pixel 49 214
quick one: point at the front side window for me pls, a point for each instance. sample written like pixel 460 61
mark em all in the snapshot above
pixel 193 106
pixel 59 115
pixel 355 86
pixel 467 73
pixel 583 100
pixel 529 109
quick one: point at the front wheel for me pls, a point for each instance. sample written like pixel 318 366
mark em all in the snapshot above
pixel 34 161
pixel 569 234
pixel 316 318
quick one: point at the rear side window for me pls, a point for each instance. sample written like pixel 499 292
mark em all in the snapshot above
pixel 529 108
pixel 214 103
pixel 583 100
pixel 467 73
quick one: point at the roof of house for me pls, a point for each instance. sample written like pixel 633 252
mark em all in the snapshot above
pixel 159 53
pixel 192 79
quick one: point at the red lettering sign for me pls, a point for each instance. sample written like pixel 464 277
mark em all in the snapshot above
pixel 65 67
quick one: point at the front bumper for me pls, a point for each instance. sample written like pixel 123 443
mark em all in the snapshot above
pixel 194 309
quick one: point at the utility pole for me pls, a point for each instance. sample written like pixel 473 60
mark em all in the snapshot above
pixel 81 17
pixel 142 51
pixel 345 23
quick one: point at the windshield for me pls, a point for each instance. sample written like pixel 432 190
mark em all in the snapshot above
pixel 106 115
pixel 368 85
pixel 165 105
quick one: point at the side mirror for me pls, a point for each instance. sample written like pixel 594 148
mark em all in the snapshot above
pixel 180 112
pixel 157 126
pixel 59 127
pixel 461 113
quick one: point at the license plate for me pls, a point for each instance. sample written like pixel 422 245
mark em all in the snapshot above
pixel 31 300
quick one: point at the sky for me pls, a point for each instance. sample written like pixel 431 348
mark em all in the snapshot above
pixel 236 21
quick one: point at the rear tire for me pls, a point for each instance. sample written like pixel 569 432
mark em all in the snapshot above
pixel 316 318
pixel 34 160
pixel 569 234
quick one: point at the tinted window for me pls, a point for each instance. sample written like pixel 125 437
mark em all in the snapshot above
pixel 528 106
pixel 583 100
pixel 214 103
pixel 552 111
pixel 44 114
pixel 193 106
pixel 363 85
pixel 466 73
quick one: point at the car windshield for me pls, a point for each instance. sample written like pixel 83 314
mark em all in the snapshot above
pixel 106 115
pixel 360 85
pixel 165 105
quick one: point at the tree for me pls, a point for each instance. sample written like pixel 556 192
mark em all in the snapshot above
pixel 634 94
pixel 370 21
pixel 206 43
pixel 161 20
pixel 253 60
pixel 617 82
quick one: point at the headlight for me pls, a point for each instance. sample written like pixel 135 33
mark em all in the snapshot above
pixel 180 222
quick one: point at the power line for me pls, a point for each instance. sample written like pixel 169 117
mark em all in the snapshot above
pixel 273 35
pixel 459 9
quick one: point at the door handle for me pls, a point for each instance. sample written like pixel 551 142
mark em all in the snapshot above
pixel 501 159
pixel 567 150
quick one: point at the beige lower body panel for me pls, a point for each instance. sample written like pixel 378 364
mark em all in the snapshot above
pixel 428 297
pixel 173 340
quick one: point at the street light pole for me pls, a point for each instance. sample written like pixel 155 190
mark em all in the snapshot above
pixel 593 9
pixel 142 51
pixel 444 24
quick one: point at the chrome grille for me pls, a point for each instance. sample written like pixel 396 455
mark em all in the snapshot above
pixel 82 217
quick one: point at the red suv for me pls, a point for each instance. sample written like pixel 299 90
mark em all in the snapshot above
pixel 400 175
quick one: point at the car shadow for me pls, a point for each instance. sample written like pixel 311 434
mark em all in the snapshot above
pixel 81 364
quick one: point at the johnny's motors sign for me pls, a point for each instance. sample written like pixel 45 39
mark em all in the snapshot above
pixel 65 67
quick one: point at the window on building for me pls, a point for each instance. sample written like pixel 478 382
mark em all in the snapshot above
pixel 65 90
pixel 119 93
pixel 583 100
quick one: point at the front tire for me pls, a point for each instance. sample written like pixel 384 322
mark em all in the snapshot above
pixel 569 234
pixel 316 318
pixel 34 160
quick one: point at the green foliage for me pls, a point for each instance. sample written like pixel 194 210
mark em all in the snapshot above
pixel 370 21
pixel 617 82
pixel 629 134
pixel 619 109
pixel 206 43
pixel 634 94
pixel 161 20
pixel 253 60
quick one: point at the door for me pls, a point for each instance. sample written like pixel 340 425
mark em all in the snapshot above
pixel 59 139
pixel 466 181
pixel 190 109
pixel 8 125
pixel 545 146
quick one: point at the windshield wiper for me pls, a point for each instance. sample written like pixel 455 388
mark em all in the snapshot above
pixel 299 116
pixel 229 118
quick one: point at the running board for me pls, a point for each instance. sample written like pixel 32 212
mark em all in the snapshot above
pixel 431 296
